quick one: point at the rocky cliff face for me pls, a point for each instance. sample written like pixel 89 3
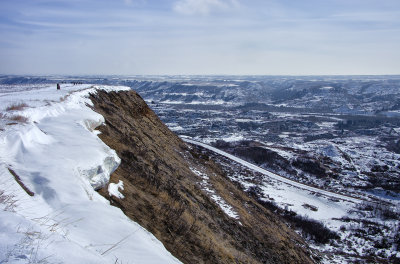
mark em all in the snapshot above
pixel 176 192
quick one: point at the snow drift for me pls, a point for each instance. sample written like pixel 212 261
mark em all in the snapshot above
pixel 55 152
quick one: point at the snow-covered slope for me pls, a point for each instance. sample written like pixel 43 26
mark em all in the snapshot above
pixel 49 147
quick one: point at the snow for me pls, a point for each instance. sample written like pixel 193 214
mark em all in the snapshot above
pixel 273 175
pixel 175 127
pixel 58 156
pixel 113 189
pixel 360 229
pixel 278 150
pixel 284 135
pixel 233 137
pixel 228 210
pixel 326 125
pixel 208 102
pixel 326 88
pixel 207 187
pixel 293 195
pixel 295 200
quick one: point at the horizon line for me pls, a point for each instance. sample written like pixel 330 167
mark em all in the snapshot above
pixel 194 75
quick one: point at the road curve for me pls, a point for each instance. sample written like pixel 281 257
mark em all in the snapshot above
pixel 273 175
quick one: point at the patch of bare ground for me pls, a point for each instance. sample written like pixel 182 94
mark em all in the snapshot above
pixel 164 195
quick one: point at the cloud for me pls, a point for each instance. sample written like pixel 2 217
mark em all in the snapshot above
pixel 199 37
pixel 203 7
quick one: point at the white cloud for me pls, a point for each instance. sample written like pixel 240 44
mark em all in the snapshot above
pixel 203 7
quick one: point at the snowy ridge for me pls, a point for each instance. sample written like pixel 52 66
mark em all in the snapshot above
pixel 56 154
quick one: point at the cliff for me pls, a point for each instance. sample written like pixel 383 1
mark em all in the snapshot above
pixel 51 159
pixel 181 196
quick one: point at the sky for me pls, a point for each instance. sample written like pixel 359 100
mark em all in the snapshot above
pixel 201 37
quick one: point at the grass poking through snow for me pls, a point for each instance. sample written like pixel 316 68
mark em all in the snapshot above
pixel 19 118
pixel 16 107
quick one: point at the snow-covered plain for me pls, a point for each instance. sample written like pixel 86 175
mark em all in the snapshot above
pixel 48 143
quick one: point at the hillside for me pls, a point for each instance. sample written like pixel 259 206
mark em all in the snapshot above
pixel 56 151
pixel 183 197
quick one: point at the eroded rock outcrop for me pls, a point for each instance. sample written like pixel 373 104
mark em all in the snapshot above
pixel 168 186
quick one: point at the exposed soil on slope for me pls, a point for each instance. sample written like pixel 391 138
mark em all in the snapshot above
pixel 164 195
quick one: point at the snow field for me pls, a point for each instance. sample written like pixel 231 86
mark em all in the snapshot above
pixel 58 156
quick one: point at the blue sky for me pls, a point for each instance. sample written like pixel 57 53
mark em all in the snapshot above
pixel 267 37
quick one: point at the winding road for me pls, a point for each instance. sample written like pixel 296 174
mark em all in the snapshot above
pixel 273 175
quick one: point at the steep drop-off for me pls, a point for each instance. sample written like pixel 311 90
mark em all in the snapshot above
pixel 170 188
